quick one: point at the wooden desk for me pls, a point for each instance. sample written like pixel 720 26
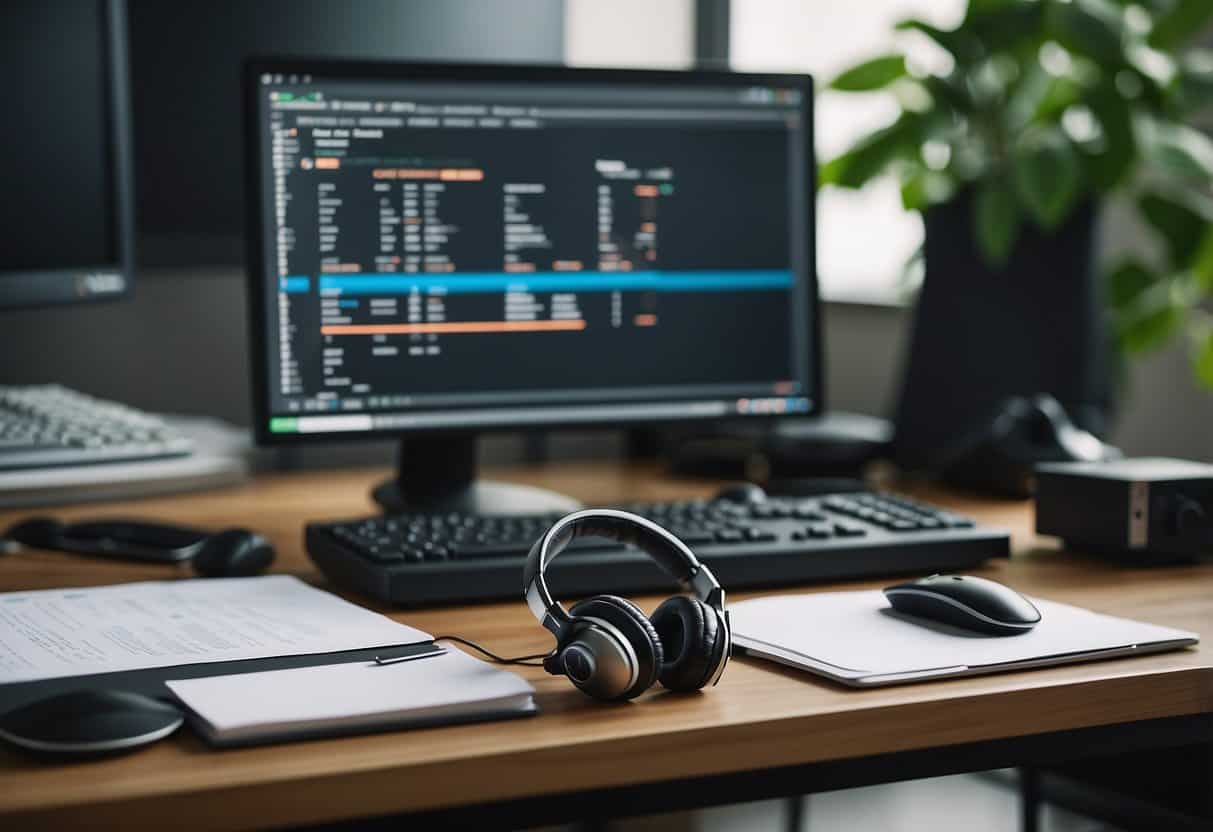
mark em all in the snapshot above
pixel 764 731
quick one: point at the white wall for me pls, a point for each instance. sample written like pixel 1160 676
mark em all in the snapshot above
pixel 630 33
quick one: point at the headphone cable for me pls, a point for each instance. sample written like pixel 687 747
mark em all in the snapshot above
pixel 526 661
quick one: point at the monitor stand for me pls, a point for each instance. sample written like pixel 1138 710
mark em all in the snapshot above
pixel 437 473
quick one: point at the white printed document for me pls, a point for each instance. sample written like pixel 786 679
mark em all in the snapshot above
pixel 347 698
pixel 75 632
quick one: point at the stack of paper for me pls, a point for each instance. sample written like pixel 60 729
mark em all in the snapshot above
pixel 54 633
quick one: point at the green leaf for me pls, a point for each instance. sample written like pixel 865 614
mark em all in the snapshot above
pixel 959 43
pixel 871 155
pixel 1181 227
pixel 977 8
pixel 1202 361
pixel 1185 20
pixel 1081 30
pixel 1194 87
pixel 1181 151
pixel 996 220
pixel 1058 95
pixel 955 96
pixel 1152 323
pixel 1006 26
pixel 1202 262
pixel 924 188
pixel 1047 177
pixel 914 192
pixel 871 75
pixel 1127 282
pixel 1111 164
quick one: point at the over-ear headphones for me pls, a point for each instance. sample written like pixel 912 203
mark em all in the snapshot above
pixel 605 644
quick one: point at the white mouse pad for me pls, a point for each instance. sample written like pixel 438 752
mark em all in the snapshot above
pixel 856 638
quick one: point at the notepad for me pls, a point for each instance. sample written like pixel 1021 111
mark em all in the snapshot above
pixel 857 639
pixel 281 705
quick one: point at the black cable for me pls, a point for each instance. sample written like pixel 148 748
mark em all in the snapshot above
pixel 526 661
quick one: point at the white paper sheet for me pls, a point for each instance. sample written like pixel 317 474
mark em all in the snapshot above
pixel 856 638
pixel 75 632
pixel 309 700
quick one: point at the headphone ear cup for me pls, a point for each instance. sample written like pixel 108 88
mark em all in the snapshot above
pixel 691 640
pixel 635 626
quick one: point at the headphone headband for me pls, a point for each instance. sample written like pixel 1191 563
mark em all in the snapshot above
pixel 670 553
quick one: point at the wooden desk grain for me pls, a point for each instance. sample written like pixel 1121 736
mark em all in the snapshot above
pixel 760 715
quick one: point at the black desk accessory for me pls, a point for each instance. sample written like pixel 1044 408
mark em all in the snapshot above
pixel 981 335
pixel 89 723
pixel 999 456
pixel 233 553
pixel 966 602
pixel 228 553
pixel 1143 510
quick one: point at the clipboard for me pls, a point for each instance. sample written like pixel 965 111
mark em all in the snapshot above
pixel 151 681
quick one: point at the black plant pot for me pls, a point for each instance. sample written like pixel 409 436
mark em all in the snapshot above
pixel 981 335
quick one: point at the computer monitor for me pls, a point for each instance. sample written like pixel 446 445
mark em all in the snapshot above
pixel 437 251
pixel 65 155
pixel 190 142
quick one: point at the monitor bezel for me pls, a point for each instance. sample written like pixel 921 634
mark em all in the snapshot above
pixel 26 288
pixel 255 67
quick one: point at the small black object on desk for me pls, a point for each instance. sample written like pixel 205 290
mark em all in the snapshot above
pixel 229 553
pixel 233 553
pixel 89 723
pixel 1148 510
pixel 967 602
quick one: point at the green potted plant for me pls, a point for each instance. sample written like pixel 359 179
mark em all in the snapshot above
pixel 1047 112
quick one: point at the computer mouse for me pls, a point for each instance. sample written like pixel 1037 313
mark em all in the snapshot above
pixel 741 492
pixel 87 722
pixel 967 602
pixel 39 532
pixel 233 553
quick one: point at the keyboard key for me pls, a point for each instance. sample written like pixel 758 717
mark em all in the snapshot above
pixel 383 554
pixel 849 530
pixel 471 551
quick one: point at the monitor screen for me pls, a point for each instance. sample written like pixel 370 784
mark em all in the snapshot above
pixel 471 248
pixel 60 168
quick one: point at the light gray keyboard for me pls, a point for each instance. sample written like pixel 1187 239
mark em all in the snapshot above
pixel 48 425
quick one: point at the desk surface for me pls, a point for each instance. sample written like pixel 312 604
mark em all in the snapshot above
pixel 759 717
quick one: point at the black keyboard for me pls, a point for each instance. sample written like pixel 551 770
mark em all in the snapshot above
pixel 434 558
pixel 48 425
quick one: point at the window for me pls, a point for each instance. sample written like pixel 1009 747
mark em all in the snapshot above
pixel 864 237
